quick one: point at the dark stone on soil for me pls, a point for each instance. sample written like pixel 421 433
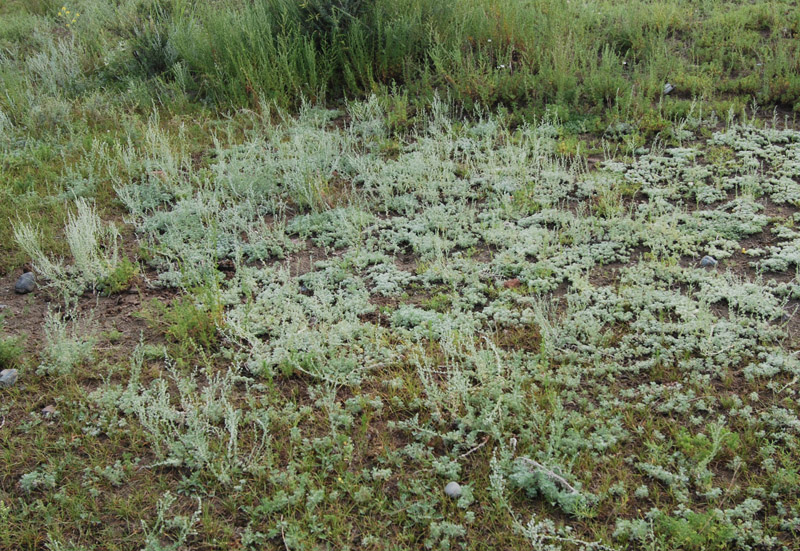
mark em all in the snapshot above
pixel 8 377
pixel 26 283
pixel 782 319
pixel 708 262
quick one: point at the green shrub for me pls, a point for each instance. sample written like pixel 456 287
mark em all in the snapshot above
pixel 120 277
pixel 94 246
pixel 698 532
pixel 68 343
pixel 10 352
pixel 190 322
pixel 324 18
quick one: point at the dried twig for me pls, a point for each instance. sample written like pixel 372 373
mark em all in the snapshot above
pixel 476 448
pixel 787 385
pixel 283 537
pixel 558 478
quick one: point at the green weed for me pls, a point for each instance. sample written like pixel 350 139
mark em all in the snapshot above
pixel 120 278
pixel 11 351
pixel 191 323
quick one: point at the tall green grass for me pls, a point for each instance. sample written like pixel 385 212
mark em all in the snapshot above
pixel 281 49
pixel 583 57
pixel 527 56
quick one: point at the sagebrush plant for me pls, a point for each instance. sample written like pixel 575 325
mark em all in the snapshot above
pixel 44 479
pixel 177 527
pixel 56 68
pixel 559 387
pixel 93 244
pixel 68 343
pixel 200 432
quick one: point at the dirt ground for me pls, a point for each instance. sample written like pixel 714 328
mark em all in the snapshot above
pixel 24 315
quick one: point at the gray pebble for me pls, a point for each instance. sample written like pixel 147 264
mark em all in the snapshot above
pixel 708 262
pixel 8 377
pixel 49 411
pixel 782 319
pixel 668 88
pixel 453 489
pixel 26 283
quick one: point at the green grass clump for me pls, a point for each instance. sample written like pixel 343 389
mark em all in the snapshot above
pixel 11 351
pixel 120 278
pixel 191 323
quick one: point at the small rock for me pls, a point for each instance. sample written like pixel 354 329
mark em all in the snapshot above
pixel 8 377
pixel 26 283
pixel 708 262
pixel 512 283
pixel 3 307
pixel 453 489
pixel 668 88
pixel 49 411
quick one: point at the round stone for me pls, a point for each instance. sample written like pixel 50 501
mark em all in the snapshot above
pixel 8 377
pixel 26 283
pixel 708 262
pixel 512 283
pixel 453 489
pixel 783 318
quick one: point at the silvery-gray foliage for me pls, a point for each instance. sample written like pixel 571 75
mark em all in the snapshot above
pixel 607 327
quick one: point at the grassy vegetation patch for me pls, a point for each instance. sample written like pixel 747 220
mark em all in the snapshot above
pixel 399 275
